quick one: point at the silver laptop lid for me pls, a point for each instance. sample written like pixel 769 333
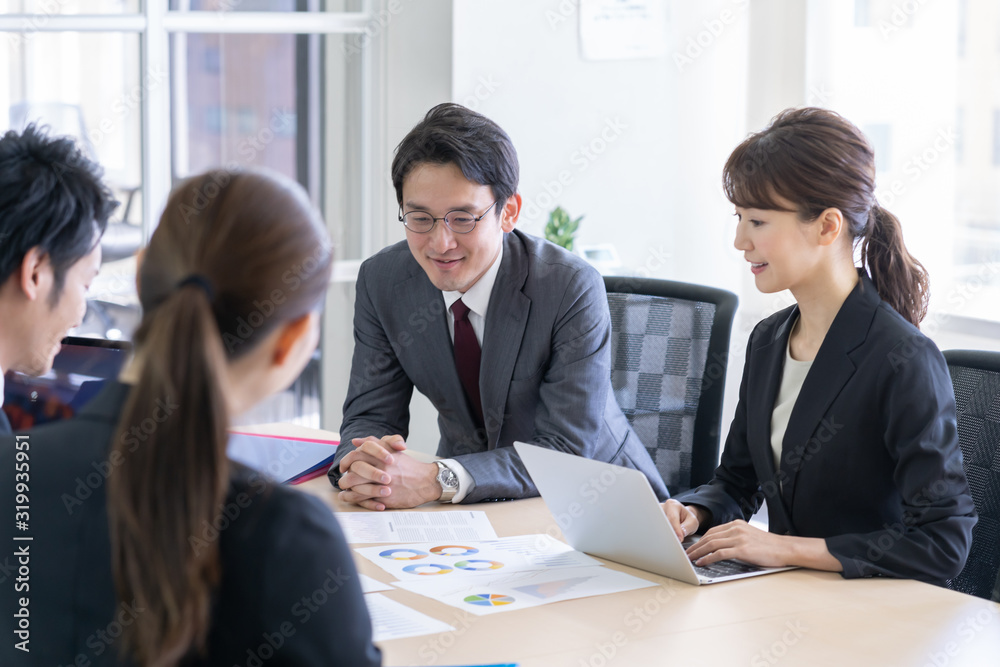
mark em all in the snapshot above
pixel 607 511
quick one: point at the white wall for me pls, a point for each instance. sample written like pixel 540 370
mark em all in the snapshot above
pixel 653 187
pixel 636 146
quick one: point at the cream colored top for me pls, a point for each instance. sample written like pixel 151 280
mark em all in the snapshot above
pixel 792 378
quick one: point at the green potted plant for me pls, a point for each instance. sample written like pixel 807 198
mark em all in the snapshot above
pixel 561 229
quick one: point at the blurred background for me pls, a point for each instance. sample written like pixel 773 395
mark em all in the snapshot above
pixel 623 114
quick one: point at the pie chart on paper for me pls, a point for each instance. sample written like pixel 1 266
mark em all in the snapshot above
pixel 476 565
pixel 489 600
pixel 453 550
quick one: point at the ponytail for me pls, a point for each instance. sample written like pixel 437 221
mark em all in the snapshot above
pixel 223 247
pixel 165 496
pixel 900 279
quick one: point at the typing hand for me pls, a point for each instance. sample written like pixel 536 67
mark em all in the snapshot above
pixel 683 518
pixel 377 479
pixel 738 539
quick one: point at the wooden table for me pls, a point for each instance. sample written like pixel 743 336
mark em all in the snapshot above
pixel 798 617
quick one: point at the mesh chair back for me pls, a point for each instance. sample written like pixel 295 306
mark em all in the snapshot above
pixel 976 377
pixel 669 353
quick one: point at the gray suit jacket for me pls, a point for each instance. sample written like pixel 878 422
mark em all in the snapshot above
pixel 545 374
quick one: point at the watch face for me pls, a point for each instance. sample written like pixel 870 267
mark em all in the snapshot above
pixel 447 477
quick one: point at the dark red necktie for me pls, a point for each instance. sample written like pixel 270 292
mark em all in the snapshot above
pixel 467 357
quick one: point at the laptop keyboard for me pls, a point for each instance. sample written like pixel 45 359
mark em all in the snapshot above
pixel 723 568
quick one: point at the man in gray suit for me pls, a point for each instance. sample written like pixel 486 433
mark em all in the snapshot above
pixel 506 334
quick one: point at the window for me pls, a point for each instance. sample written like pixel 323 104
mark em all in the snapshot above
pixel 222 83
pixel 880 136
pixel 913 81
pixel 959 135
pixel 963 23
pixel 862 14
pixel 40 10
pixel 996 137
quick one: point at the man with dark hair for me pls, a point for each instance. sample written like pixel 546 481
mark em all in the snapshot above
pixel 53 210
pixel 507 335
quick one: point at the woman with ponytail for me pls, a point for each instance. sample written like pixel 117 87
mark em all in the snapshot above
pixel 845 425
pixel 174 555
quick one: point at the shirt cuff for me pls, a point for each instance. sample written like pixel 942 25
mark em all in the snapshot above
pixel 465 481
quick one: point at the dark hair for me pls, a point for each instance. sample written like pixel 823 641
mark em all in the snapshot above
pixel 450 133
pixel 235 255
pixel 816 159
pixel 51 197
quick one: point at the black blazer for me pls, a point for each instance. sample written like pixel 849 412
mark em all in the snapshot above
pixel 870 459
pixel 289 587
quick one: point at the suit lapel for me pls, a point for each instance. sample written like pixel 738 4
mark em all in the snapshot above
pixel 830 372
pixel 432 356
pixel 507 317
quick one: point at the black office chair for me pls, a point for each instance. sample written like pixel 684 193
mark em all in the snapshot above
pixel 976 376
pixel 669 354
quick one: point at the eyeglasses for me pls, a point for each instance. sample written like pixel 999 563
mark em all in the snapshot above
pixel 460 222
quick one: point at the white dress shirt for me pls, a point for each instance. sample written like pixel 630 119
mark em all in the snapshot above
pixel 477 300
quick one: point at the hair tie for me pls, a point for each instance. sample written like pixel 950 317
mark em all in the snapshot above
pixel 201 281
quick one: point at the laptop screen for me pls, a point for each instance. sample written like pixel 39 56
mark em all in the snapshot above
pixel 79 370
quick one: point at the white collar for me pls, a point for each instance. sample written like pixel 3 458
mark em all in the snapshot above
pixel 477 297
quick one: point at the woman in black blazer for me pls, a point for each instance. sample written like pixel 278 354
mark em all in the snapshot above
pixel 846 423
pixel 149 546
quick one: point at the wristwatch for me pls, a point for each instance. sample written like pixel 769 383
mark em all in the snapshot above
pixel 448 480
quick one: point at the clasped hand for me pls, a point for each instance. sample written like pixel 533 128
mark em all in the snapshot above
pixel 379 475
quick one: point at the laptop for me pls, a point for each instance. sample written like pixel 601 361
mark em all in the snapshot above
pixel 611 512
pixel 79 370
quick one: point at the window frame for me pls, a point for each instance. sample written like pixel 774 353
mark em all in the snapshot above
pixel 155 24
